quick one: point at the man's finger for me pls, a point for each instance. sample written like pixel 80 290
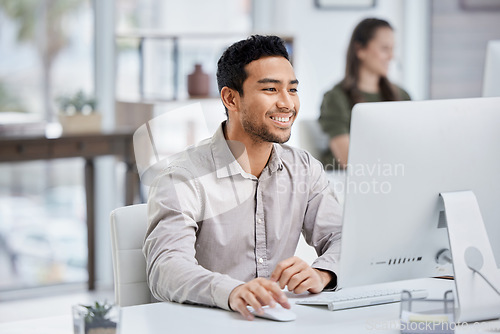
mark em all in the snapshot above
pixel 241 307
pixel 251 299
pixel 288 273
pixel 280 267
pixel 304 286
pixel 278 294
pixel 297 279
pixel 264 296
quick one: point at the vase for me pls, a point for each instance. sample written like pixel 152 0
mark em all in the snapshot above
pixel 79 123
pixel 198 82
pixel 84 322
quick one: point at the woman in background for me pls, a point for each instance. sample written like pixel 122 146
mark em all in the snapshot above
pixel 368 56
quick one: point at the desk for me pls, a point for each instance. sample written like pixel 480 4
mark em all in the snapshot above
pixel 87 146
pixel 178 318
pixel 62 324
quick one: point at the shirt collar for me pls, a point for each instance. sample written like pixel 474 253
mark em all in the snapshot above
pixel 275 164
pixel 226 164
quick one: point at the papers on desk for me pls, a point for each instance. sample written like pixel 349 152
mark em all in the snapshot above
pixel 430 316
pixel 438 323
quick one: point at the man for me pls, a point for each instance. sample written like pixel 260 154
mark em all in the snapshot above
pixel 226 215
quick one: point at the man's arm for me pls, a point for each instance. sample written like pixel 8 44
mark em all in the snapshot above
pixel 174 207
pixel 323 222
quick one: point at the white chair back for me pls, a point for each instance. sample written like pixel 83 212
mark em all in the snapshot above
pixel 128 229
pixel 312 138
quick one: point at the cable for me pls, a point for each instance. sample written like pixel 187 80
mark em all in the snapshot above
pixel 474 260
pixel 487 281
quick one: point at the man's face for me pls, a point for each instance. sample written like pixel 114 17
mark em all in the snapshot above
pixel 270 102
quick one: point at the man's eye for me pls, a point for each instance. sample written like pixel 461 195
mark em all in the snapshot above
pixel 294 90
pixel 270 89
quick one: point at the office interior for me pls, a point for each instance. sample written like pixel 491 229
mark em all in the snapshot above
pixel 135 56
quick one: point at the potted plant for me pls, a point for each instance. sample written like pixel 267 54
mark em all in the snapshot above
pixel 95 319
pixel 77 113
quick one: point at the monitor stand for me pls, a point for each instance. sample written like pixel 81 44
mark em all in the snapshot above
pixel 470 248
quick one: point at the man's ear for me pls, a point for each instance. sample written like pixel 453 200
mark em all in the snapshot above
pixel 230 98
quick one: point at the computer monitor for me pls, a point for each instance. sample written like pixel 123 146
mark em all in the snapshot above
pixel 402 156
pixel 491 78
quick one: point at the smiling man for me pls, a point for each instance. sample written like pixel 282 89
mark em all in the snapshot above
pixel 226 215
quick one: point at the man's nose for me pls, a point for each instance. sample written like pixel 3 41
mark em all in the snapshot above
pixel 285 101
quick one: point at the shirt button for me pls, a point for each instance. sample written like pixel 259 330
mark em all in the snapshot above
pixel 260 221
pixel 261 260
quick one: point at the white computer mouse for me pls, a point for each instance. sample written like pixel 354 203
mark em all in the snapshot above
pixel 277 313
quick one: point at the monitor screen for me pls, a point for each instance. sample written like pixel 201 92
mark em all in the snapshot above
pixel 402 155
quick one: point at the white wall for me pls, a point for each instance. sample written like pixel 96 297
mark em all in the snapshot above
pixel 214 16
pixel 416 48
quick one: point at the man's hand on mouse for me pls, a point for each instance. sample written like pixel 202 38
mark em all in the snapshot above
pixel 256 293
pixel 299 276
pixel 292 272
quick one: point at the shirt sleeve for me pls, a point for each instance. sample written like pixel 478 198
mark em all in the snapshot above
pixel 335 113
pixel 173 273
pixel 323 220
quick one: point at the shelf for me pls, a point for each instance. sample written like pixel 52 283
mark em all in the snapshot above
pixel 155 34
pixel 160 100
pixel 143 35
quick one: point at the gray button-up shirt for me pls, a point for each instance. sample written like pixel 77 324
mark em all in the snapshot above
pixel 212 226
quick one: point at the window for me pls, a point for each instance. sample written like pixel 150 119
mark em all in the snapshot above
pixel 47 52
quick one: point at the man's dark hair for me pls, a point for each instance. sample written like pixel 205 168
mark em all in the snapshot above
pixel 231 66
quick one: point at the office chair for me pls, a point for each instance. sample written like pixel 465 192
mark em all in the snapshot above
pixel 312 138
pixel 128 228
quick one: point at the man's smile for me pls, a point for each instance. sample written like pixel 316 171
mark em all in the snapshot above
pixel 283 119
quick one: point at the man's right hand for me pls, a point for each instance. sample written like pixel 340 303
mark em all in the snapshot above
pixel 256 293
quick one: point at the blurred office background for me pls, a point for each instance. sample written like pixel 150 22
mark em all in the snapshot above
pixel 139 53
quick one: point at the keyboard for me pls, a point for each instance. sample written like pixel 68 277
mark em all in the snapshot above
pixel 355 297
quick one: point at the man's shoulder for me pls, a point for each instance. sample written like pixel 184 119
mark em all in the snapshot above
pixel 194 159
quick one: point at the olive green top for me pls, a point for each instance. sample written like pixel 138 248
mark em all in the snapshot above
pixel 336 108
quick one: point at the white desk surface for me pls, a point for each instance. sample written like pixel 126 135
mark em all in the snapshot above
pixel 179 318
pixel 49 325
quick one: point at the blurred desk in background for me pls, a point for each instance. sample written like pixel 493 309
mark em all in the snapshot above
pixel 119 143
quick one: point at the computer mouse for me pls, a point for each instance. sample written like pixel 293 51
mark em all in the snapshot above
pixel 277 313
